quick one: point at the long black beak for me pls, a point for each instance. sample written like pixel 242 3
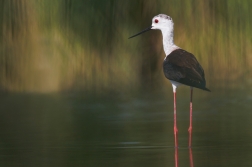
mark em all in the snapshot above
pixel 147 29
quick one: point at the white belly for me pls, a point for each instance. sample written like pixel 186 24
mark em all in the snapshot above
pixel 175 85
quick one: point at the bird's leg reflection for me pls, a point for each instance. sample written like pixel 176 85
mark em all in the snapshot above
pixel 191 157
pixel 176 156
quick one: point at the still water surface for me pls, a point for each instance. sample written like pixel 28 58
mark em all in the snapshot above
pixel 134 129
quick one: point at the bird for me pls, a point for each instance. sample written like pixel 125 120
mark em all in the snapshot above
pixel 179 66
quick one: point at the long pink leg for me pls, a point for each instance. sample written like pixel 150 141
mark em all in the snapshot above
pixel 175 120
pixel 190 126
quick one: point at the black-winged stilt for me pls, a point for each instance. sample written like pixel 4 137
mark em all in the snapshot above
pixel 179 66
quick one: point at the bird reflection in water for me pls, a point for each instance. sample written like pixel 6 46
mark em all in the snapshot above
pixel 190 157
pixel 176 156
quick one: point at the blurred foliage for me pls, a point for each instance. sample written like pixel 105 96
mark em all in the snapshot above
pixel 83 44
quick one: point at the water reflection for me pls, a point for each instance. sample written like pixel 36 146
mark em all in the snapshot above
pixel 191 157
pixel 125 130
pixel 176 155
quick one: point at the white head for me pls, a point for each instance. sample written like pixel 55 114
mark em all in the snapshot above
pixel 162 22
pixel 165 24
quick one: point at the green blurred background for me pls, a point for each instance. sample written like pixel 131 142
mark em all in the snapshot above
pixel 50 46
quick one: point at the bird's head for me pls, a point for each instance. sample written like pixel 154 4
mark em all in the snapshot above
pixel 160 22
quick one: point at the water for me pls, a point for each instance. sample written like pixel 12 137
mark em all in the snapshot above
pixel 76 129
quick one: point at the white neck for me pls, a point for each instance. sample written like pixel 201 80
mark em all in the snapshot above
pixel 168 44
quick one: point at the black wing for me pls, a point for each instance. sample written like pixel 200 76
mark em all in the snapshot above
pixel 181 66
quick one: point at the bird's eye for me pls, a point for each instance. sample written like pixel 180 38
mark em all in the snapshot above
pixel 156 20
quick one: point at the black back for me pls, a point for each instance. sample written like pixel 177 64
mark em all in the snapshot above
pixel 181 66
